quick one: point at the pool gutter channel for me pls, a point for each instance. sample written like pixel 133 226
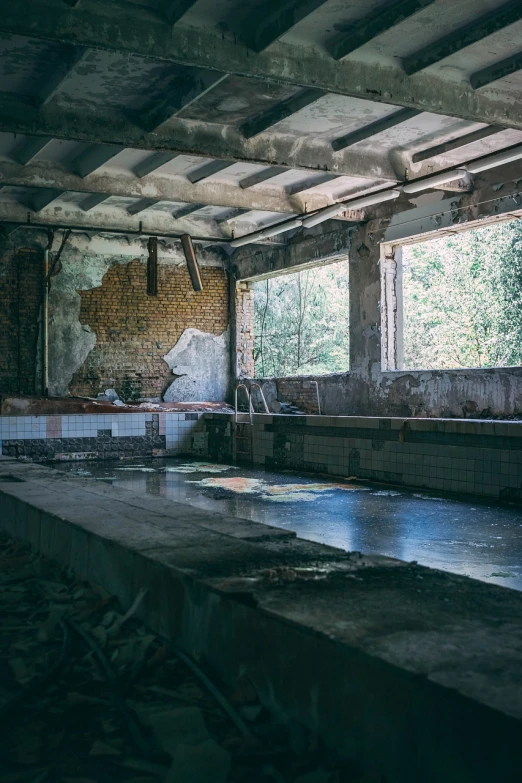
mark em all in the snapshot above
pixel 408 673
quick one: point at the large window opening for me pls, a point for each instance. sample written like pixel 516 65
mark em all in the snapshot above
pixel 462 299
pixel 301 324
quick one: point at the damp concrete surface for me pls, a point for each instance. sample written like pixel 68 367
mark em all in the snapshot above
pixel 473 538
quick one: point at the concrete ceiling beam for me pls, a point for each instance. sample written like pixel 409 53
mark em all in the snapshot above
pixel 279 112
pixel 176 189
pixel 29 149
pixel 173 10
pixel 74 217
pixel 188 209
pixel 153 162
pixel 372 25
pixel 93 201
pixel 94 158
pixel 366 132
pixel 497 71
pixel 304 251
pixel 208 170
pixel 471 33
pixel 63 69
pixel 111 131
pixel 141 205
pixel 308 184
pixel 259 28
pixel 232 215
pixel 143 32
pixel 43 197
pixel 183 90
pixel 261 176
pixel 455 144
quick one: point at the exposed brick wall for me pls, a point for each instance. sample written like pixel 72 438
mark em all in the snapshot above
pixel 21 278
pixel 133 330
pixel 298 391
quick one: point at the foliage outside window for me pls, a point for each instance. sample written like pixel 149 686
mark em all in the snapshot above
pixel 463 299
pixel 302 322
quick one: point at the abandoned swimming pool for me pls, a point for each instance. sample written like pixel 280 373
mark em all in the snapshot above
pixel 476 539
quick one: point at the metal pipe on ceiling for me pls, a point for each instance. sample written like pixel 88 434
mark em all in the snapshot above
pixel 309 220
pixel 416 186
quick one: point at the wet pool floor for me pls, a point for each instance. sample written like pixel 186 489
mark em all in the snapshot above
pixel 481 540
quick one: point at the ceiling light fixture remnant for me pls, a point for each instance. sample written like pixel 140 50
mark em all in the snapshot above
pixel 358 203
pixel 152 266
pixel 417 186
pixel 273 231
pixel 192 262
pixel 491 162
pixel 432 182
pixel 265 233
pixel 324 214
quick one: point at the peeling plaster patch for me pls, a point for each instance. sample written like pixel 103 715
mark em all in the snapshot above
pixel 70 342
pixel 200 361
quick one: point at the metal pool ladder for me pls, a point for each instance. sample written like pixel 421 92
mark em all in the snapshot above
pixel 250 413
pixel 243 430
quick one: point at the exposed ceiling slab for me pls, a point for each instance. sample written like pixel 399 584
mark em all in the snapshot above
pixel 372 25
pixel 143 32
pixel 175 189
pixel 30 148
pixel 224 116
pixel 491 22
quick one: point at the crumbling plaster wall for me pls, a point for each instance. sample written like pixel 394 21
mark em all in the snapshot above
pixel 368 389
pixel 104 331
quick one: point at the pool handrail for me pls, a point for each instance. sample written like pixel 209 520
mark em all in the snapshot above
pixel 249 398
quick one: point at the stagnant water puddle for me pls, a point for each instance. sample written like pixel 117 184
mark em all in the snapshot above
pixel 482 540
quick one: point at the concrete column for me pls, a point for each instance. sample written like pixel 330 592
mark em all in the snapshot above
pixel 391 309
pixel 242 329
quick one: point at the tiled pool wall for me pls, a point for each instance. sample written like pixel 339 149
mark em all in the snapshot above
pixel 101 436
pixel 463 456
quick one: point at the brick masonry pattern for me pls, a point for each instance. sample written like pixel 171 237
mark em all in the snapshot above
pixel 21 286
pixel 133 330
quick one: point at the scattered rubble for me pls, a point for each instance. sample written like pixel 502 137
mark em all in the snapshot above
pixel 89 695
pixel 27 405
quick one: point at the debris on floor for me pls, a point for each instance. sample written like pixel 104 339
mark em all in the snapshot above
pixel 90 695
pixel 107 402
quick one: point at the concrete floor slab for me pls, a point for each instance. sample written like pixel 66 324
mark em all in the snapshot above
pixel 409 673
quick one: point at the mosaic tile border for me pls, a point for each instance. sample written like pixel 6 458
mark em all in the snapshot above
pixel 99 436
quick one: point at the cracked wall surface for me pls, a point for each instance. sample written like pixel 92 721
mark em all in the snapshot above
pixel 104 330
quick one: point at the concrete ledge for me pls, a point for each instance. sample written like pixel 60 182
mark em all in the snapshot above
pixel 409 673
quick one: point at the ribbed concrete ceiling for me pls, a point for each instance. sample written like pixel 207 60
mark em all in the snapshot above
pixel 220 116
